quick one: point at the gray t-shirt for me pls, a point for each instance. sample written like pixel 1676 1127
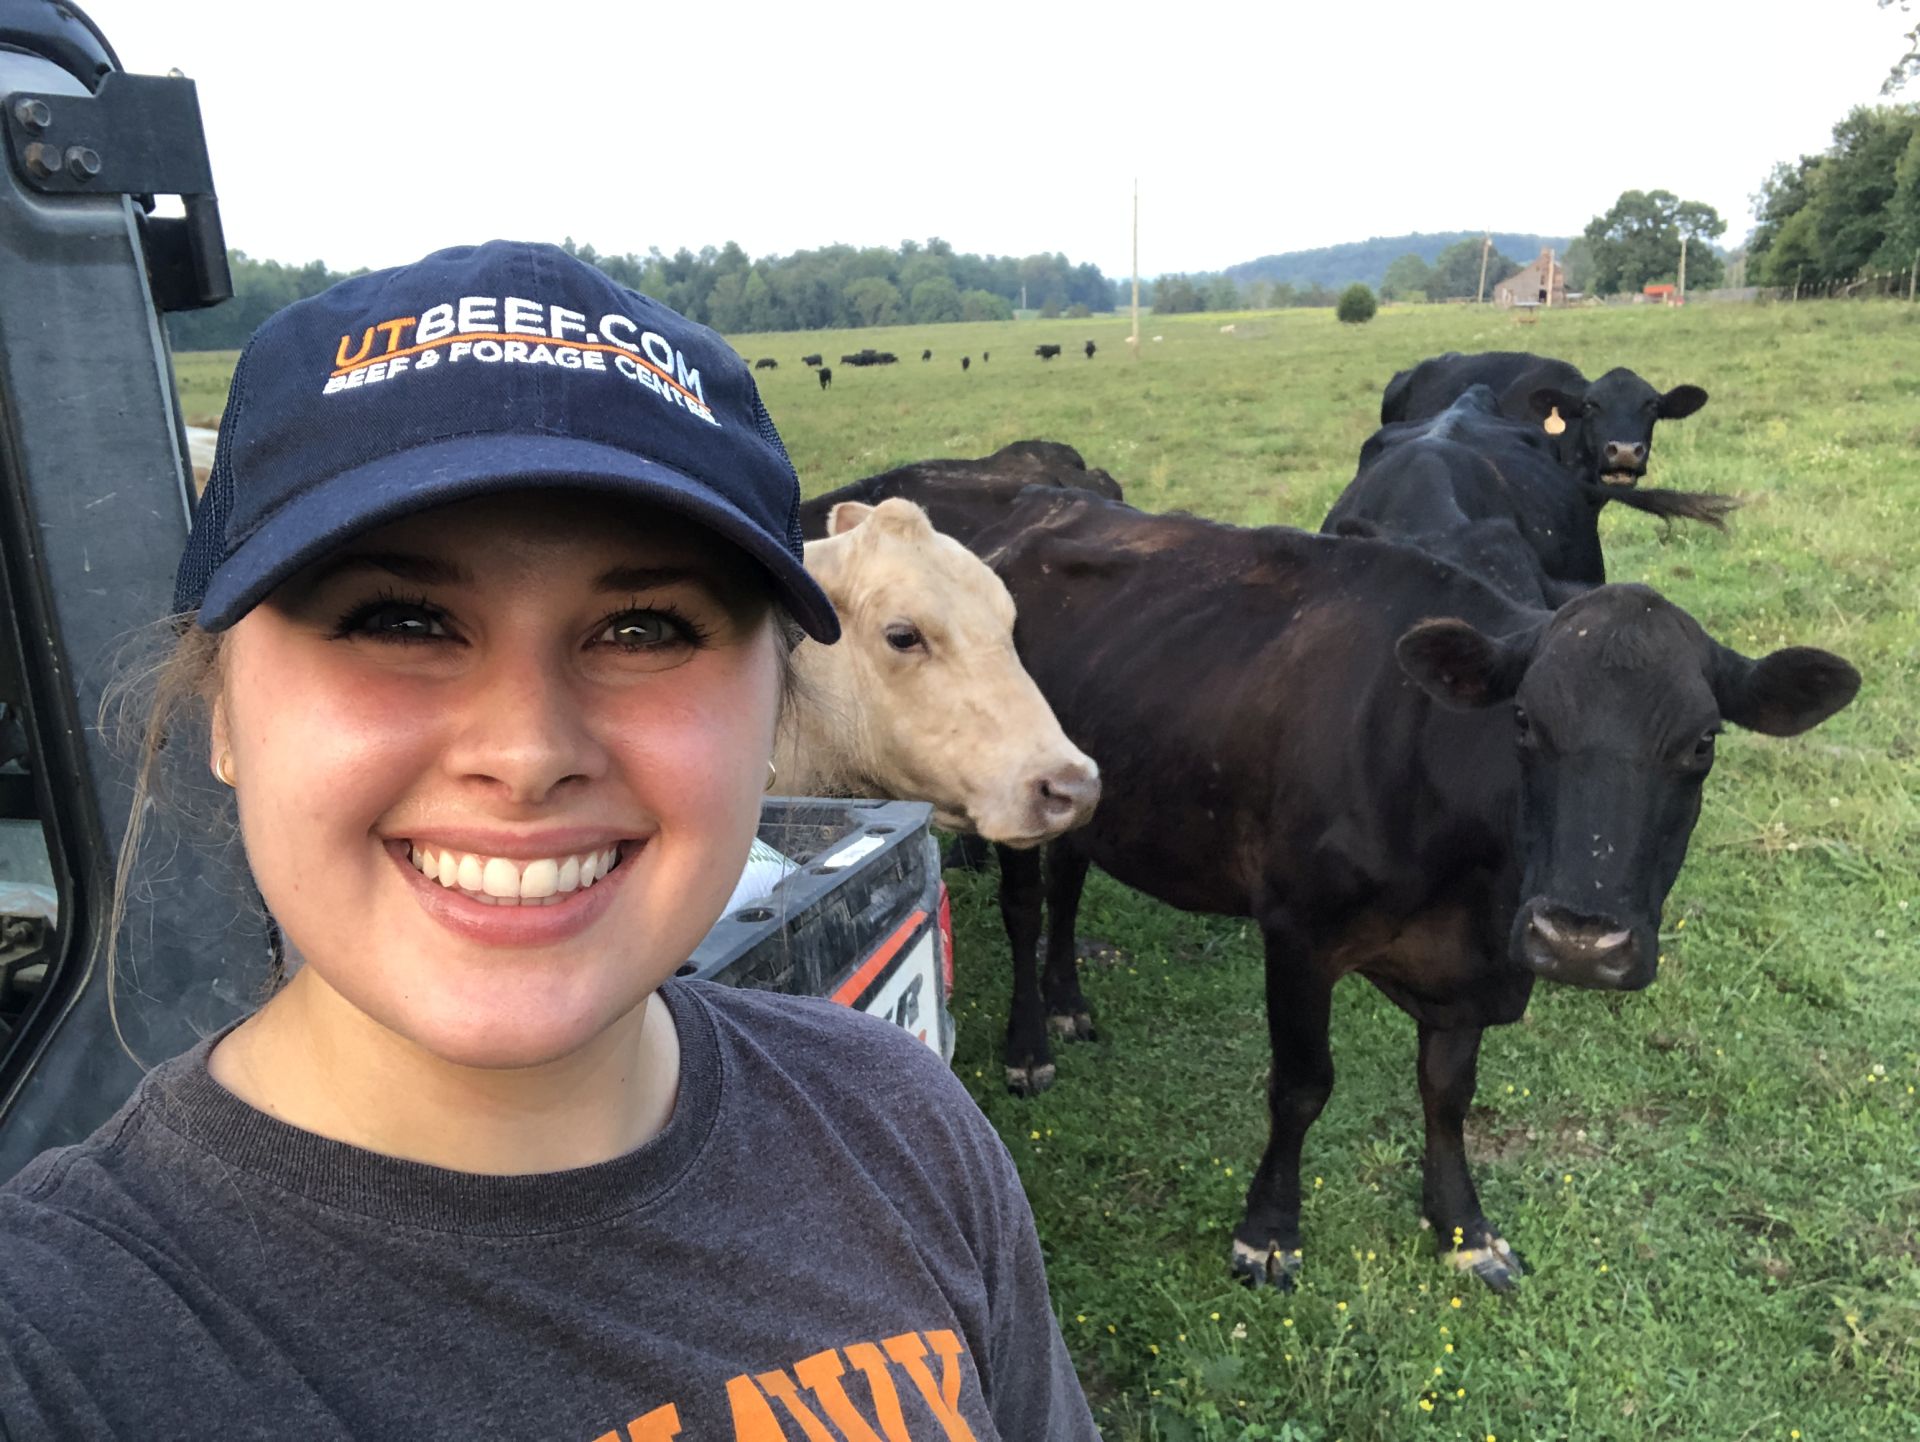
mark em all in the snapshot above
pixel 827 1243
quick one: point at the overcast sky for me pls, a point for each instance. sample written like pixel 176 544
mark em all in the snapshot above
pixel 369 134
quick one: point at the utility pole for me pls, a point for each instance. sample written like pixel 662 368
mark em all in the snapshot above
pixel 1486 244
pixel 1913 273
pixel 1136 267
pixel 1549 280
pixel 1682 287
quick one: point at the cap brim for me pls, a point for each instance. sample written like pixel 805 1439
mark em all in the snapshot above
pixel 341 507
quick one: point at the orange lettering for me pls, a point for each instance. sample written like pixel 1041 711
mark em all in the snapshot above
pixel 779 1384
pixel 342 359
pixel 393 329
pixel 753 1419
pixel 820 1374
pixel 659 1425
pixel 910 1352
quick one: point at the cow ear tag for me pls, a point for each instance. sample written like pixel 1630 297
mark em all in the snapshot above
pixel 1553 424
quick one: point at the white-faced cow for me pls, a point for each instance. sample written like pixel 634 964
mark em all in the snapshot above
pixel 1392 768
pixel 1602 430
pixel 923 698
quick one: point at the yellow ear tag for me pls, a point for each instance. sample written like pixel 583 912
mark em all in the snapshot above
pixel 1554 425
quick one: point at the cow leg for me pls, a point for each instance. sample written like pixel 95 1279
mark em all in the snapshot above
pixel 1449 1059
pixel 1029 1060
pixel 1266 1244
pixel 1067 1010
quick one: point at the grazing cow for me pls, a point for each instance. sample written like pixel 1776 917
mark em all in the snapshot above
pixel 1602 430
pixel 1228 329
pixel 826 377
pixel 1090 350
pixel 963 495
pixel 810 360
pixel 1421 481
pixel 1393 769
pixel 926 355
pixel 985 356
pixel 965 361
pixel 766 363
pixel 924 699
pixel 1046 352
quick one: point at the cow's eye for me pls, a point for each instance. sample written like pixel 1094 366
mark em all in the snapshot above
pixel 1703 748
pixel 904 637
pixel 1521 724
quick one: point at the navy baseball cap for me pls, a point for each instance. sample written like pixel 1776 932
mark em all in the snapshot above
pixel 482 369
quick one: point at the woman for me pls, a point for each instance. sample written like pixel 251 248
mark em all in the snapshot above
pixel 491 595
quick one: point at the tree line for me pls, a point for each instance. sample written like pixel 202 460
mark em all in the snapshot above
pixel 1847 213
pixel 836 285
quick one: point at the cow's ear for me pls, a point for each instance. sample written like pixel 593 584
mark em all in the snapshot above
pixel 845 516
pixel 1460 667
pixel 1784 693
pixel 1681 401
pixel 1548 399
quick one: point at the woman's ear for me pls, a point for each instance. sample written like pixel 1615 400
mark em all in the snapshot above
pixel 217 734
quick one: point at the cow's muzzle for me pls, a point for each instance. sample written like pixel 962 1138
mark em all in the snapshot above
pixel 1623 463
pixel 1580 950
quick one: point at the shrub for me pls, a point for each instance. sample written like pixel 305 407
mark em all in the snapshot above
pixel 1357 304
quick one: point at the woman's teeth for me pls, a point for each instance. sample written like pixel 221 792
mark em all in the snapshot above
pixel 497 881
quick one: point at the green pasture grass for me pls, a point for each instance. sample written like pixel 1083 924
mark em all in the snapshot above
pixel 1717 1180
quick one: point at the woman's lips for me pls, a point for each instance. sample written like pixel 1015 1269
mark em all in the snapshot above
pixel 488 919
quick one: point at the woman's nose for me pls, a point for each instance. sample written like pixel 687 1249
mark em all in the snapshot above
pixel 523 728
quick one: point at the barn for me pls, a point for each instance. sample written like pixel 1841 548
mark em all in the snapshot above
pixel 1530 284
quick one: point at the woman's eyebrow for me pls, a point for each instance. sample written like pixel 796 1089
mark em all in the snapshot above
pixel 645 578
pixel 403 565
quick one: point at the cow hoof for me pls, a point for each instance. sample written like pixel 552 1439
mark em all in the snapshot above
pixel 1075 1026
pixel 1029 1081
pixel 1270 1266
pixel 1496 1263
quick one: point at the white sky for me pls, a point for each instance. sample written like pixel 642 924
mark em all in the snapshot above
pixel 369 134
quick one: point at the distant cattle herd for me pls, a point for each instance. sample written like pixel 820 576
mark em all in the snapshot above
pixel 871 357
pixel 1491 779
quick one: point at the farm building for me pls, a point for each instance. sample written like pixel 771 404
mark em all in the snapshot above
pixel 1528 286
pixel 1664 294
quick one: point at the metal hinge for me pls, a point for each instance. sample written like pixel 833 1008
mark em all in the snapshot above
pixel 138 135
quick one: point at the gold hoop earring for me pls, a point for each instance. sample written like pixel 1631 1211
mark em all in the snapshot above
pixel 773 774
pixel 223 768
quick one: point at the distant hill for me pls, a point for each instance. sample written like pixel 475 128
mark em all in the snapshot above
pixel 1367 260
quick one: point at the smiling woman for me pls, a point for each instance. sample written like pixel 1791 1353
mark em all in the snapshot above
pixel 492 655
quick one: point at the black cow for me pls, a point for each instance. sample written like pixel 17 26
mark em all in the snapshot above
pixel 985 356
pixel 1602 430
pixel 826 376
pixel 809 360
pixel 1471 483
pixel 766 363
pixel 1046 352
pixel 962 496
pixel 926 355
pixel 1090 350
pixel 965 361
pixel 1392 768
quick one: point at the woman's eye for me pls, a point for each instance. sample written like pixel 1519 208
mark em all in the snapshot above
pixel 396 621
pixel 647 631
pixel 903 637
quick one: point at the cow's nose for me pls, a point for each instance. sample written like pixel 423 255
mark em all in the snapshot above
pixel 1578 950
pixel 1626 455
pixel 1065 796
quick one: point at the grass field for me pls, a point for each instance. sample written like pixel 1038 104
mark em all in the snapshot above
pixel 1717 1181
